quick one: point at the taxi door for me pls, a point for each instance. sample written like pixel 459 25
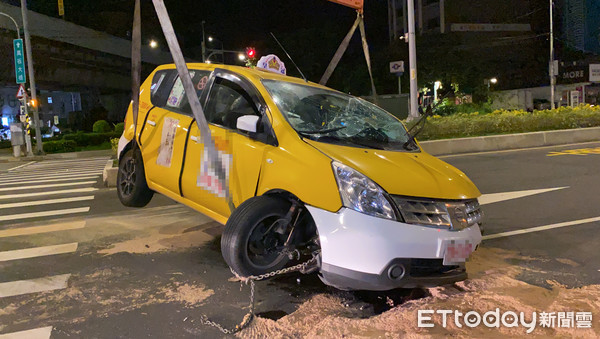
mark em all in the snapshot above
pixel 164 136
pixel 230 97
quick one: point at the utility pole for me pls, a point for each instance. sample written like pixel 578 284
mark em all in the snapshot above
pixel 551 66
pixel 203 43
pixel 412 59
pixel 36 117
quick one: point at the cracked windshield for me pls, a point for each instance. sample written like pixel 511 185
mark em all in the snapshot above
pixel 333 117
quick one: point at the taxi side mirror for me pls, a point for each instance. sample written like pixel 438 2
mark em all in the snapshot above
pixel 248 123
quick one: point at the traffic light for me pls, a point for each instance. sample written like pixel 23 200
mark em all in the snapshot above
pixel 250 52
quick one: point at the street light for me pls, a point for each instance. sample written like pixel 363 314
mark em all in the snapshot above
pixel 242 57
pixel 15 22
pixel 210 39
pixel 494 81
pixel 153 44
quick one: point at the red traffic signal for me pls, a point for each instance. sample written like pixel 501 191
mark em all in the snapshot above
pixel 250 52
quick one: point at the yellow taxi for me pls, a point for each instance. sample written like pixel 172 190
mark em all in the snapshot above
pixel 312 173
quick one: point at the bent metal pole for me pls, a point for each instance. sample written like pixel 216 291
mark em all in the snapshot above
pixel 29 53
pixel 190 92
pixel 136 65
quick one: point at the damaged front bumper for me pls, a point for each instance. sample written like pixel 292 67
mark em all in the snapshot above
pixel 361 252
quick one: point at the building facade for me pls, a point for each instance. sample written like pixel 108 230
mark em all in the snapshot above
pixel 77 69
pixel 581 24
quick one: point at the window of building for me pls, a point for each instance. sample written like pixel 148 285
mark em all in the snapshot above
pixel 49 100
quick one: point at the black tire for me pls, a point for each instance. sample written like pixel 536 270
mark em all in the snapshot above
pixel 132 188
pixel 254 235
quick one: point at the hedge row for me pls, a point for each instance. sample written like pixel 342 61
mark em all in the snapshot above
pixel 90 139
pixel 70 142
pixel 505 122
pixel 59 146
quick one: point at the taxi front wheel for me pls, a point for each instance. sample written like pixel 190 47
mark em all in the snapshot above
pixel 255 234
pixel 132 188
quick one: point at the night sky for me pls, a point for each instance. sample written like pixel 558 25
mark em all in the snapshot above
pixel 311 30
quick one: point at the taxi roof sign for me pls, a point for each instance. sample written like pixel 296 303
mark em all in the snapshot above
pixel 21 92
pixel 271 63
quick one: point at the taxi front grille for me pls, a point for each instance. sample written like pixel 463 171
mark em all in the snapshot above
pixel 446 214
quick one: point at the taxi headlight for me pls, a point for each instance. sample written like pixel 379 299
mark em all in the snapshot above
pixel 362 194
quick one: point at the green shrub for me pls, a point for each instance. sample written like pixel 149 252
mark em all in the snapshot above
pixel 83 139
pixel 503 122
pixel 101 126
pixel 114 143
pixel 119 128
pixel 59 146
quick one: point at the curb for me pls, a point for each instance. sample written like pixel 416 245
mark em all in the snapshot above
pixel 109 174
pixel 511 141
pixel 58 156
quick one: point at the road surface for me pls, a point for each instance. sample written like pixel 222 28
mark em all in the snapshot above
pixel 75 263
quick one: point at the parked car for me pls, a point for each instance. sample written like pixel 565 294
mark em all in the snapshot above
pixel 312 172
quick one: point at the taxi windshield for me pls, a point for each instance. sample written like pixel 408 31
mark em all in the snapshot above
pixel 333 117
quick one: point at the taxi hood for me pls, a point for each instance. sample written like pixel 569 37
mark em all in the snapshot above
pixel 404 173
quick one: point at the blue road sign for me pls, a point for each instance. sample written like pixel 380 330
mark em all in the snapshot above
pixel 19 61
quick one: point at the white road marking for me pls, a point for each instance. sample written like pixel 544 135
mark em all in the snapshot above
pixel 61 168
pixel 45 202
pixel 497 197
pixel 20 287
pixel 541 228
pixel 49 175
pixel 21 166
pixel 35 252
pixel 88 177
pixel 37 333
pixel 46 186
pixel 54 170
pixel 44 214
pixel 54 176
pixel 37 194
pixel 15 232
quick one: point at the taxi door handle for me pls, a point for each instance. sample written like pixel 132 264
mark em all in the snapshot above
pixel 151 123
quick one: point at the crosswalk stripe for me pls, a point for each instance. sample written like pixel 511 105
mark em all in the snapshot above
pixel 45 202
pixel 56 170
pixel 47 180
pixel 59 167
pixel 46 186
pixel 68 226
pixel 35 252
pixel 72 160
pixel 37 194
pixel 21 166
pixel 20 287
pixel 44 213
pixel 52 176
pixel 36 333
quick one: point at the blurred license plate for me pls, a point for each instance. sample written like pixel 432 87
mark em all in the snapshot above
pixel 457 252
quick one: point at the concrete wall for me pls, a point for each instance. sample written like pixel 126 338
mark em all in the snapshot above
pixel 523 98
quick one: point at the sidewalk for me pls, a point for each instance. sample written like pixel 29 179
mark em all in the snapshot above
pixel 6 155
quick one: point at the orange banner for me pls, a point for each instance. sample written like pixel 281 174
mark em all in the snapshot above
pixel 356 4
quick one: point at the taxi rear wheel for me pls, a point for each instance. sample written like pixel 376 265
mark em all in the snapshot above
pixel 132 188
pixel 254 235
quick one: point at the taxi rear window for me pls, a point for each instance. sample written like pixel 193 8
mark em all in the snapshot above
pixel 167 90
pixel 161 86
